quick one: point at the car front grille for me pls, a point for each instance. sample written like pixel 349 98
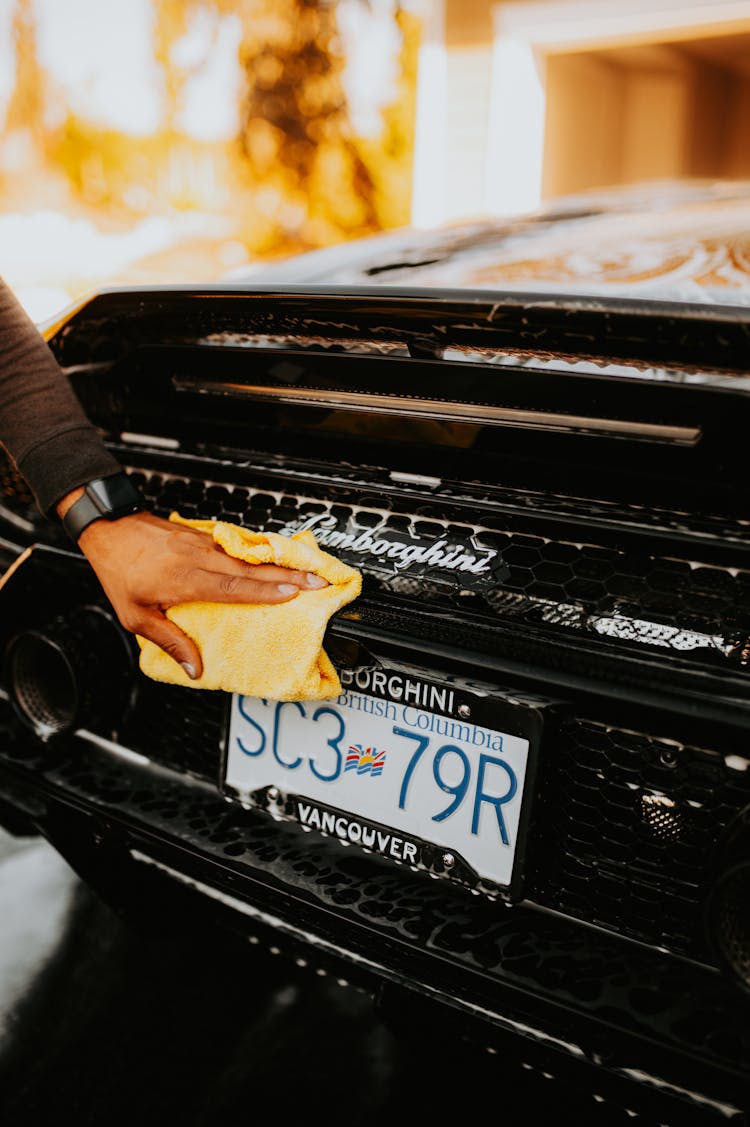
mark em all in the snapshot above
pixel 695 613
pixel 638 818
pixel 609 573
pixel 628 821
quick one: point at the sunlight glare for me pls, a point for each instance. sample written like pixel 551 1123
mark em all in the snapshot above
pixel 514 175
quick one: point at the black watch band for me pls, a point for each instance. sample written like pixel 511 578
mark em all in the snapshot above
pixel 105 498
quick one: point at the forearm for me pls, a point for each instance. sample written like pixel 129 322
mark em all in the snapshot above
pixel 67 500
pixel 42 424
pixel 144 564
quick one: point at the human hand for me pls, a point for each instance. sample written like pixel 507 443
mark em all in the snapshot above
pixel 146 564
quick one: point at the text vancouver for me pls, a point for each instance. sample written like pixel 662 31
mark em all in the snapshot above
pixel 379 841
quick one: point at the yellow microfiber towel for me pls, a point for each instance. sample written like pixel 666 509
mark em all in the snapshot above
pixel 261 649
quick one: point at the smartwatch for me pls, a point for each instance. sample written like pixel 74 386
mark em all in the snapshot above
pixel 105 498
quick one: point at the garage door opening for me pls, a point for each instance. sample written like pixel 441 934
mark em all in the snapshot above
pixel 654 111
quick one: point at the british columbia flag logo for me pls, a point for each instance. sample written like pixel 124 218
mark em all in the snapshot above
pixel 364 760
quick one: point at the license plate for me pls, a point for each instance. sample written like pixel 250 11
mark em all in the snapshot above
pixel 418 786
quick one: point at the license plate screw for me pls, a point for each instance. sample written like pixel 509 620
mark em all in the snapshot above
pixel 464 710
pixel 448 860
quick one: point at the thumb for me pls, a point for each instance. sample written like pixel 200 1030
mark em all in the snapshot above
pixel 157 628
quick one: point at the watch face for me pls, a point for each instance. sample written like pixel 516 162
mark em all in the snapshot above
pixel 114 493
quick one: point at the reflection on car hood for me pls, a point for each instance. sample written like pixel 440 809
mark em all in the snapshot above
pixel 678 244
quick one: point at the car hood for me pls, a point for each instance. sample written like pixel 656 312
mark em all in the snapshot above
pixel 667 242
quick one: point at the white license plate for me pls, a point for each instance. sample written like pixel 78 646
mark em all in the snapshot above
pixel 424 789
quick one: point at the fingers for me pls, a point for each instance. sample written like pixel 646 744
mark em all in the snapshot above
pixel 214 558
pixel 167 636
pixel 214 587
pixel 217 587
pixel 270 573
pixel 219 561
pixel 211 586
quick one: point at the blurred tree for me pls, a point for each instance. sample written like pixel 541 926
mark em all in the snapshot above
pixel 172 20
pixel 26 106
pixel 390 156
pixel 307 180
pixel 298 175
pixel 296 127
pixel 27 167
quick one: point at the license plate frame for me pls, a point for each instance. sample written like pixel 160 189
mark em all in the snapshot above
pixel 258 769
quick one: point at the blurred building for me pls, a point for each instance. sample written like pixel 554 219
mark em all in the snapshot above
pixel 523 100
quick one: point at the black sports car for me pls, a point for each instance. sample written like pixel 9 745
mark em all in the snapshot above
pixel 527 813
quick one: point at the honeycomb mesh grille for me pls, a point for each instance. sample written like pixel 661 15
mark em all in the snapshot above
pixel 732 922
pixel 629 829
pixel 178 727
pixel 626 822
pixel 696 611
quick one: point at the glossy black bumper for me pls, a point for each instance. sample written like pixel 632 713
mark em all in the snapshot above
pixel 172 852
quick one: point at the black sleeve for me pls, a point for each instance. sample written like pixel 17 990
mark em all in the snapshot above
pixel 42 425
